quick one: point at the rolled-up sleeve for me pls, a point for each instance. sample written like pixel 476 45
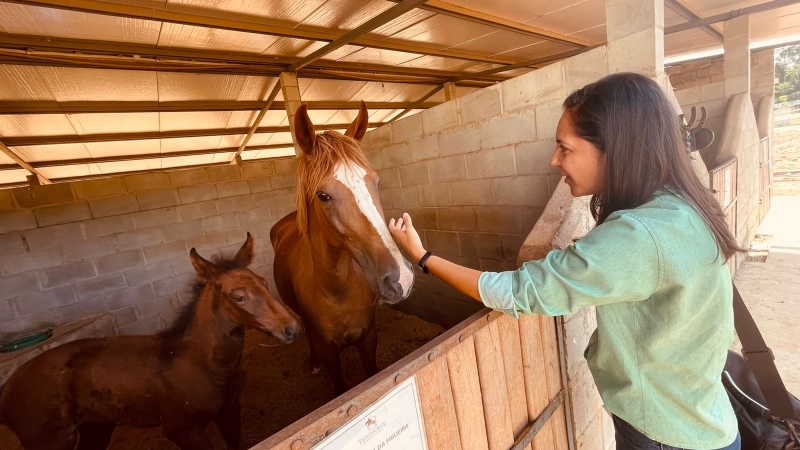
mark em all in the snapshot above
pixel 618 261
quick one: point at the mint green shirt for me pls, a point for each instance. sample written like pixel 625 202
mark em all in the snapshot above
pixel 664 317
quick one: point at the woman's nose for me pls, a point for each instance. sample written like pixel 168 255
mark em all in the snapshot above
pixel 555 160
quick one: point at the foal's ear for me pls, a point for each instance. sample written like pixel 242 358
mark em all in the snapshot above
pixel 304 130
pixel 245 254
pixel 358 128
pixel 205 269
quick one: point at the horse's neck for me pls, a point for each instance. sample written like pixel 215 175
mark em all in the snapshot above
pixel 333 266
pixel 215 339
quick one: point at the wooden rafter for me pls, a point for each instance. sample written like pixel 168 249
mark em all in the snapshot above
pixel 761 7
pixel 22 163
pixel 261 27
pixel 689 15
pixel 41 51
pixel 38 107
pixel 113 137
pixel 139 157
pixel 381 19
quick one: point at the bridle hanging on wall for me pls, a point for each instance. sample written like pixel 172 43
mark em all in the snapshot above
pixel 699 137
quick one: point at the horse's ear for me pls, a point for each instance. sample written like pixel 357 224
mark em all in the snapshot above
pixel 358 128
pixel 245 254
pixel 205 269
pixel 304 130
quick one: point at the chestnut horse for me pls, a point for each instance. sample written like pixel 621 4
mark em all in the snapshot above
pixel 334 256
pixel 181 379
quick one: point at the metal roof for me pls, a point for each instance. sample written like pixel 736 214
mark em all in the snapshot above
pixel 90 88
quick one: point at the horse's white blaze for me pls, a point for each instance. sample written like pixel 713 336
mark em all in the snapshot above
pixel 352 176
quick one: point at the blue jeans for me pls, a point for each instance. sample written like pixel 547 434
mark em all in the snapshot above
pixel 629 438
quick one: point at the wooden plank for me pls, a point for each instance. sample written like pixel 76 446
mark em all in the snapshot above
pixel 496 409
pixel 533 363
pixel 438 409
pixel 559 421
pixel 552 369
pixel 463 368
pixel 515 381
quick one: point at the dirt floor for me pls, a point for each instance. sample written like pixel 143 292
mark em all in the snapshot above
pixel 786 161
pixel 280 388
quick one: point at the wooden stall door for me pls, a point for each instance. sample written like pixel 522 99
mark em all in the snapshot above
pixel 492 382
pixel 723 181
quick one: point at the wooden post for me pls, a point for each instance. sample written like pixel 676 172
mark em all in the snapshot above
pixel 291 99
pixel 450 91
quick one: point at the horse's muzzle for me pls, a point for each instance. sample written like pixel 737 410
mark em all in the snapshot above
pixel 290 333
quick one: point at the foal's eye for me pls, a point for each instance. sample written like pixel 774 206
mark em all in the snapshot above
pixel 323 196
pixel 240 299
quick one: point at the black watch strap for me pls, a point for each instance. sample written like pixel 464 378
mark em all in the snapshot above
pixel 423 261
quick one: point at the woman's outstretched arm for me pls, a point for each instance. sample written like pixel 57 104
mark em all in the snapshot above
pixel 462 278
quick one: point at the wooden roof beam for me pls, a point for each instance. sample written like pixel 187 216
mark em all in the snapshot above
pixel 688 14
pixel 761 7
pixel 101 107
pixel 22 163
pixel 21 141
pixel 139 157
pixel 38 51
pixel 381 19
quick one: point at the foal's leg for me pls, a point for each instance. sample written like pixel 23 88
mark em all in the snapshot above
pixel 94 436
pixel 367 349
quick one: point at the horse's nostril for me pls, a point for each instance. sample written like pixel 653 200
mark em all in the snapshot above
pixel 389 288
pixel 291 332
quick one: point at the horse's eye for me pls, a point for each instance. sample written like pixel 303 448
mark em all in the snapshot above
pixel 323 196
pixel 240 299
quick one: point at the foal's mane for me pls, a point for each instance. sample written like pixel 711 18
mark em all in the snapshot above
pixel 330 149
pixel 187 312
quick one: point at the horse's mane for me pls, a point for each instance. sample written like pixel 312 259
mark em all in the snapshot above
pixel 187 312
pixel 330 149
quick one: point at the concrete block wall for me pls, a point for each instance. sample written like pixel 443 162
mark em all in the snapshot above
pixel 711 71
pixel 695 73
pixel 121 245
pixel 762 74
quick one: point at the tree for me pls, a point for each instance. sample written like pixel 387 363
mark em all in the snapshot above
pixel 787 70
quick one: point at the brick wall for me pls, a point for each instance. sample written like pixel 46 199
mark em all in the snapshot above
pixel 695 73
pixel 120 245
pixel 709 71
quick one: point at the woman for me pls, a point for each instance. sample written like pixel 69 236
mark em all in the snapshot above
pixel 654 266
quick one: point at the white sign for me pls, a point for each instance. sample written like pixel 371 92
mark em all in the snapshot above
pixel 394 422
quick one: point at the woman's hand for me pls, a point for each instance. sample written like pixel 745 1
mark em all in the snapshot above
pixel 407 237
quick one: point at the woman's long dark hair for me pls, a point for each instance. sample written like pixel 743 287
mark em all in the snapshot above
pixel 630 120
